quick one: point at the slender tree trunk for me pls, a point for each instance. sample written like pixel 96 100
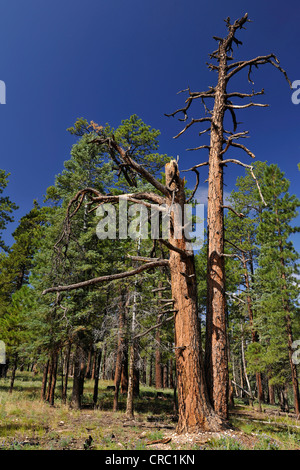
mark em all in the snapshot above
pixel 244 365
pixel 171 379
pixel 104 363
pixel 165 376
pixel 144 378
pixel 124 374
pixel 67 366
pixel 88 364
pixel 78 379
pixel 98 355
pixel 13 374
pixel 120 350
pixel 44 381
pixel 194 409
pixel 271 393
pixel 94 365
pixel 158 364
pixel 50 373
pixel 130 393
pixel 158 361
pixel 150 369
pixel 254 334
pixel 53 378
pixel 288 325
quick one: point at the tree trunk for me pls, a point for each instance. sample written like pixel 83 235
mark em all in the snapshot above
pixel 65 384
pixel 104 363
pixel 78 379
pixel 120 349
pixel 53 378
pixel 216 360
pixel 271 394
pixel 194 409
pixel 44 381
pixel 130 393
pixel 158 365
pixel 254 334
pixel 98 355
pixel 244 369
pixel 13 375
pixel 171 379
pixel 150 369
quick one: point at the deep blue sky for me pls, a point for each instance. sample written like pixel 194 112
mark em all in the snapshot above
pixel 107 59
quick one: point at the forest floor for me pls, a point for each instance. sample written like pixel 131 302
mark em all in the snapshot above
pixel 26 423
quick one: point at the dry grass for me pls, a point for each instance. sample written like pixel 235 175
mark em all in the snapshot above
pixel 28 423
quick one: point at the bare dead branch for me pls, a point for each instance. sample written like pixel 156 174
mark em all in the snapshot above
pixel 193 121
pixel 144 259
pixel 199 148
pixel 233 160
pixel 244 95
pixel 260 60
pixel 110 277
pixel 196 185
pixel 239 214
pixel 140 335
pixel 195 166
pixel 237 145
pixel 235 106
pixel 174 248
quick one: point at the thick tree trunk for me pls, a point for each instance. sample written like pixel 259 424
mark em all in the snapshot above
pixel 194 409
pixel 216 360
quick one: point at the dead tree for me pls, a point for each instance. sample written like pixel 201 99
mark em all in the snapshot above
pixel 221 143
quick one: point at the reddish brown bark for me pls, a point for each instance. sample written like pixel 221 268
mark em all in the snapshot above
pixel 194 409
pixel 216 360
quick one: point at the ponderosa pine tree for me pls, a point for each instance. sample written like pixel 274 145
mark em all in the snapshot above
pixel 14 277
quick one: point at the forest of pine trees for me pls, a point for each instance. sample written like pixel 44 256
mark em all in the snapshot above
pixel 122 330
pixel 214 326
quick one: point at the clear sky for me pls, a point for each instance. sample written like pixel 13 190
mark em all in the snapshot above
pixel 107 59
